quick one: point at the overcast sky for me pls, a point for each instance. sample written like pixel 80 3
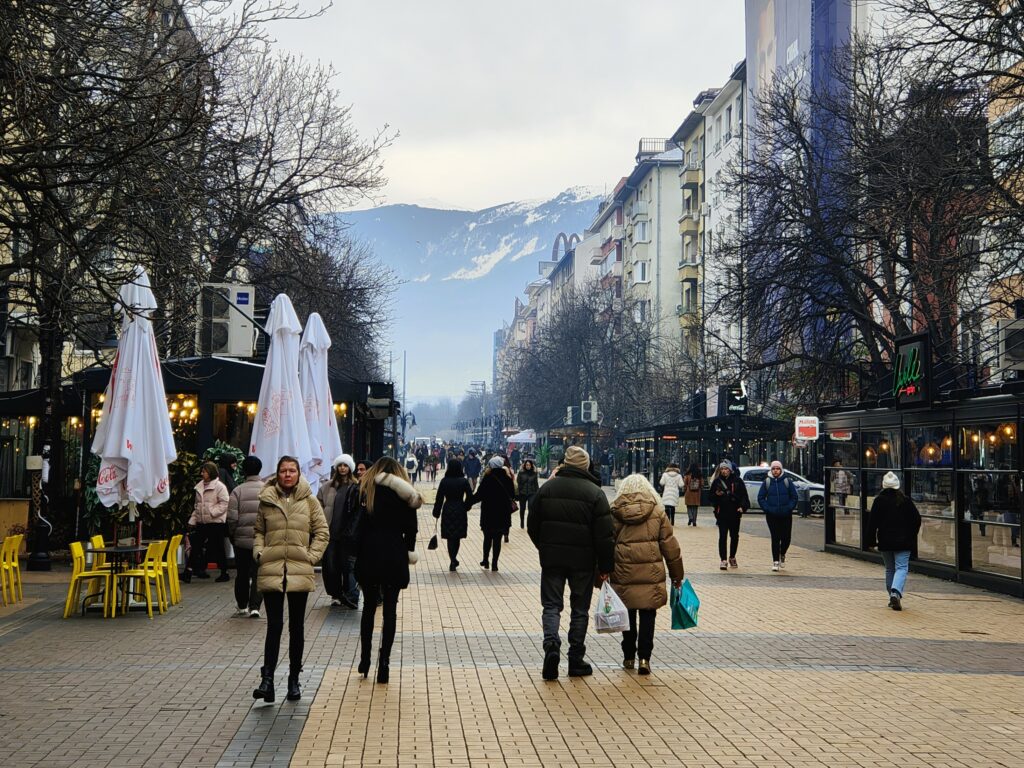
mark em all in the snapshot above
pixel 502 101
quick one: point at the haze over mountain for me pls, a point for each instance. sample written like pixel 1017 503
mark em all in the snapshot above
pixel 462 272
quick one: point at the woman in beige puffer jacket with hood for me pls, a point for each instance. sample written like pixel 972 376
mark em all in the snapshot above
pixel 644 543
pixel 291 536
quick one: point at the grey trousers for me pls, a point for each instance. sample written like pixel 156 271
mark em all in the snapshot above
pixel 552 596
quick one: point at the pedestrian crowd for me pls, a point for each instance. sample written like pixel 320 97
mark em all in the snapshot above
pixel 361 527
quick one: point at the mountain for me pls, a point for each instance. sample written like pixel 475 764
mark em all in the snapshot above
pixel 460 273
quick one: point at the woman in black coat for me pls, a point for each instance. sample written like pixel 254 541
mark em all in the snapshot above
pixel 496 495
pixel 893 523
pixel 527 482
pixel 386 536
pixel 454 498
pixel 729 497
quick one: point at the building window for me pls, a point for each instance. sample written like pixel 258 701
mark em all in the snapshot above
pixel 641 272
pixel 640 232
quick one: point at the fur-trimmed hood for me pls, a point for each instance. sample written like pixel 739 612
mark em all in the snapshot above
pixel 405 491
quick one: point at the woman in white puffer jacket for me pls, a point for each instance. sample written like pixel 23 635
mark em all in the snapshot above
pixel 671 484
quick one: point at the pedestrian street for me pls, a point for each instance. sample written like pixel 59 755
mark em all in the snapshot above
pixel 804 667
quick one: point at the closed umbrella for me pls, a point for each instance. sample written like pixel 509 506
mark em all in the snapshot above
pixel 133 438
pixel 324 439
pixel 280 426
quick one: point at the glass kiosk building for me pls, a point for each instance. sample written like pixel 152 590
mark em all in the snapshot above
pixel 959 459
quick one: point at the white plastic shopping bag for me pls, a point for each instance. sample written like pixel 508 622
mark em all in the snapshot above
pixel 610 614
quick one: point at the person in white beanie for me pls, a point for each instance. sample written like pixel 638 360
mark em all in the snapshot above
pixel 893 524
pixel 334 498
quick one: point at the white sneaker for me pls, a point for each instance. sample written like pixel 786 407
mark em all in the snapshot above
pixel 782 564
pixel 241 612
pixel 254 613
pixel 775 565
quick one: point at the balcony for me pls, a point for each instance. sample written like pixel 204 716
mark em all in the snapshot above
pixel 689 270
pixel 689 177
pixel 639 209
pixel 597 255
pixel 689 221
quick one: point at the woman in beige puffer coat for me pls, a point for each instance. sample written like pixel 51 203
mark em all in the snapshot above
pixel 291 536
pixel 644 543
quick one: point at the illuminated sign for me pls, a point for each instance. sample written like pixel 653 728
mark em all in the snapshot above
pixel 911 385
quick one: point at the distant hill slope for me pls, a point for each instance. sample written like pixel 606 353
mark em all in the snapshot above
pixel 462 272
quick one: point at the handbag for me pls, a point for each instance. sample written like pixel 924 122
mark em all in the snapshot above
pixel 433 539
pixel 685 605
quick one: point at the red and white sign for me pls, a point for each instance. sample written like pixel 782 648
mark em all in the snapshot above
pixel 841 435
pixel 806 427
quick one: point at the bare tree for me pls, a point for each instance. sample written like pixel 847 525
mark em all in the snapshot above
pixel 865 205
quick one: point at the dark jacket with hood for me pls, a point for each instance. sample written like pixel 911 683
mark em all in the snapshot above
pixel 471 466
pixel 388 534
pixel 495 494
pixel 528 482
pixel 570 523
pixel 893 522
pixel 777 495
pixel 454 498
pixel 729 497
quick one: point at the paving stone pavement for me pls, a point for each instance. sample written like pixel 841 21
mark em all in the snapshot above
pixel 800 668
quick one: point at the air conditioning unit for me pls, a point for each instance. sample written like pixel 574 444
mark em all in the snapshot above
pixel 588 411
pixel 705 209
pixel 220 308
pixel 1011 345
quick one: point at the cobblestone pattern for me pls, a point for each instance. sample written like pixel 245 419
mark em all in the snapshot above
pixel 800 668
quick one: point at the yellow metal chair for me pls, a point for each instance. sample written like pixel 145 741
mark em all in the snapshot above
pixel 4 546
pixel 99 559
pixel 169 569
pixel 10 568
pixel 80 574
pixel 148 569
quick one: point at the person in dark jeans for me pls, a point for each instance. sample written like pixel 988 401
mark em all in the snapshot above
pixel 527 483
pixel 778 498
pixel 570 523
pixel 730 500
pixel 243 508
pixel 209 517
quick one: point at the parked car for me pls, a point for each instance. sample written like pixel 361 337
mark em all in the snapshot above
pixel 811 494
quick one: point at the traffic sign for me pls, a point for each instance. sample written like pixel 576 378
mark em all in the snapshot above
pixel 806 427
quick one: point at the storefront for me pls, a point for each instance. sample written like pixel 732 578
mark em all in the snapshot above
pixel 748 440
pixel 959 460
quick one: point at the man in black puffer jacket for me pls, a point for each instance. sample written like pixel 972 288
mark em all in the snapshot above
pixel 570 523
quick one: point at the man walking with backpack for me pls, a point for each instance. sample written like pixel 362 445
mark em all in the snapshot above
pixel 570 523
pixel 778 498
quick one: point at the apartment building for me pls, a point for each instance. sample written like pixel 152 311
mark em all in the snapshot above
pixel 722 216
pixel 607 255
pixel 651 245
pixel 690 139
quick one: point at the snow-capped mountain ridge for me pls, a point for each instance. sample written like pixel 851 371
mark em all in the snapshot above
pixel 463 264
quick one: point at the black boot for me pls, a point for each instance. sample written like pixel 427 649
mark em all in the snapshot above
pixel 294 692
pixel 364 660
pixel 383 670
pixel 265 690
pixel 578 667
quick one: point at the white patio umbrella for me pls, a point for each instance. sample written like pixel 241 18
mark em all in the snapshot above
pixel 280 426
pixel 133 438
pixel 526 436
pixel 324 439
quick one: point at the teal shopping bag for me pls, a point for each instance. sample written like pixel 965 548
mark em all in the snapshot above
pixel 685 605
